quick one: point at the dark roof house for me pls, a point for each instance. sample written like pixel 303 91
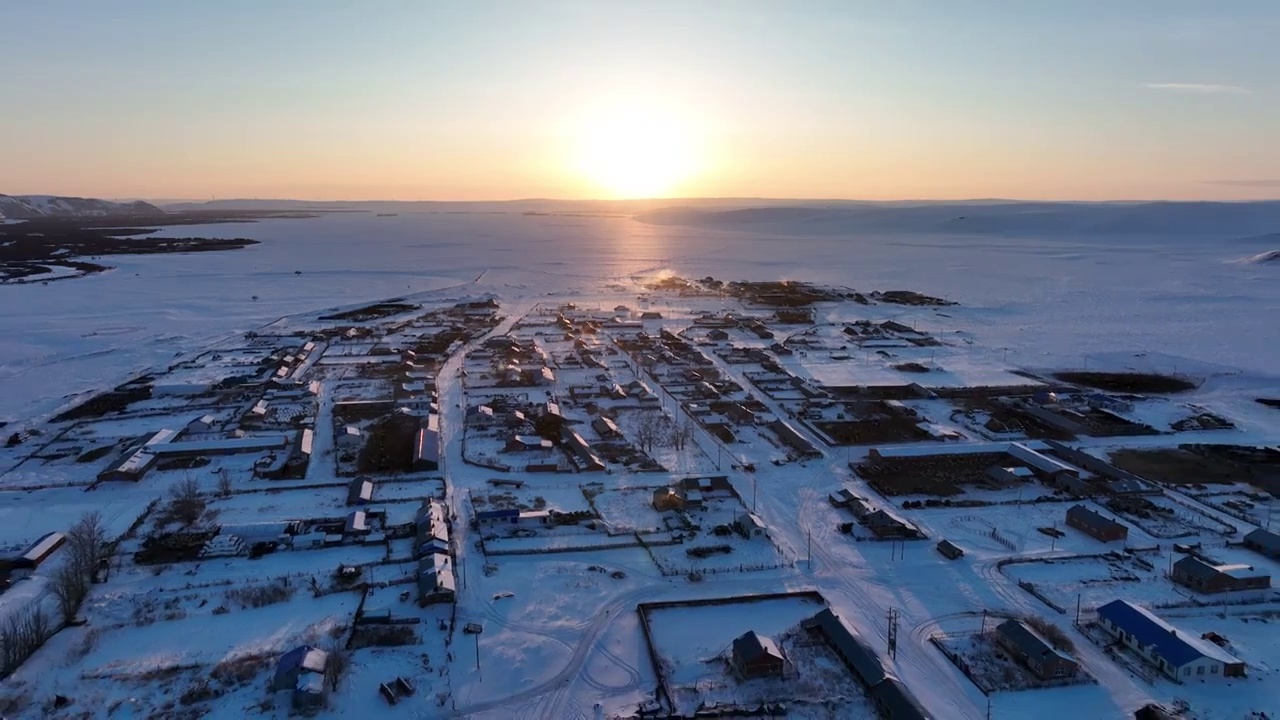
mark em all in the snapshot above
pixel 756 656
pixel 1095 524
pixel 1034 651
pixel 1263 541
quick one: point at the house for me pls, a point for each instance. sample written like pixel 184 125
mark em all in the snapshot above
pixel 534 517
pixel 134 464
pixel 32 558
pixel 301 673
pixel 360 491
pixel 665 499
pixel 841 498
pixel 749 526
pixel 1032 650
pixel 259 409
pixel 887 525
pixel 1264 542
pixel 203 424
pixel 348 438
pixel 754 656
pixel 436 580
pixel 426 452
pixel 580 451
pixel 950 550
pixel 1178 654
pixel 789 436
pixel 895 702
pixel 1010 475
pixel 357 523
pixel 717 335
pixel 1094 524
pixel 505 516
pixel 1102 401
pixel 527 443
pixel 479 416
pixel 855 652
pixel 606 428
pixel 1203 577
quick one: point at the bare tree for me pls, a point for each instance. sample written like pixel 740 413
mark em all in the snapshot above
pixel 87 544
pixel 225 486
pixel 70 586
pixel 681 434
pixel 649 431
pixel 21 635
pixel 186 505
pixel 86 553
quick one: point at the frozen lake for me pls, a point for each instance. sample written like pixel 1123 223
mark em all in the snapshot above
pixel 1051 301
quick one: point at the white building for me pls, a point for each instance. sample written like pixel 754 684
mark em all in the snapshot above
pixel 1178 654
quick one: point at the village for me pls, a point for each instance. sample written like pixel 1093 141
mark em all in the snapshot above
pixel 667 498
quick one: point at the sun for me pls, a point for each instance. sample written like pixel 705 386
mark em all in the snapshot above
pixel 636 152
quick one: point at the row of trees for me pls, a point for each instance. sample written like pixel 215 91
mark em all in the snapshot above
pixel 84 554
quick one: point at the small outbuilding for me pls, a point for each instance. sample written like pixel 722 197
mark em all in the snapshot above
pixel 950 550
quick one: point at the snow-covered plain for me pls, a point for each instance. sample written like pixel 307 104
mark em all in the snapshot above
pixel 1051 300
pixel 560 631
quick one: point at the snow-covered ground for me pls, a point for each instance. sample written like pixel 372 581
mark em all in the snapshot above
pixel 560 632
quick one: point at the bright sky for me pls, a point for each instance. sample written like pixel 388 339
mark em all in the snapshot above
pixel 1079 99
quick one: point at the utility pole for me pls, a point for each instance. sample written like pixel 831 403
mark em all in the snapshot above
pixel 1077 609
pixel 481 676
pixel 753 493
pixel 810 550
pixel 893 633
pixel 983 631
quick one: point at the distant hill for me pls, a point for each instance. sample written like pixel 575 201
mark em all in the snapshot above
pixel 29 207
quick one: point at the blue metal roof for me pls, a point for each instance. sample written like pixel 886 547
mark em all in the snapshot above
pixel 1177 647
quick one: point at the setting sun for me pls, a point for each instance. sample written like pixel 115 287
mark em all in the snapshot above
pixel 634 152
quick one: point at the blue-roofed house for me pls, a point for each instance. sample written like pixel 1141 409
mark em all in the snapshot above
pixel 1178 654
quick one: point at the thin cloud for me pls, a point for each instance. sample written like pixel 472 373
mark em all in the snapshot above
pixel 1262 183
pixel 1199 88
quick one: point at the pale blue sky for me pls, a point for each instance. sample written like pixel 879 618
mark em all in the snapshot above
pixel 950 98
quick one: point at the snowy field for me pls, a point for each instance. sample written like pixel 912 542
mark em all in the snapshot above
pixel 1052 301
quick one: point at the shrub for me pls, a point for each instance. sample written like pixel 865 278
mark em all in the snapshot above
pixel 383 636
pixel 256 596
pixel 1052 633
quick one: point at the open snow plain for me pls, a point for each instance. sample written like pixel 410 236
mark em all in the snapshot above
pixel 549 531
pixel 1050 301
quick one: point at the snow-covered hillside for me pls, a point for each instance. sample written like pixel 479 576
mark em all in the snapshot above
pixel 1271 256
pixel 27 207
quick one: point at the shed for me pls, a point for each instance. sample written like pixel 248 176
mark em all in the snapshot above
pixel 357 523
pixel 950 550
pixel 360 491
pixel 349 437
